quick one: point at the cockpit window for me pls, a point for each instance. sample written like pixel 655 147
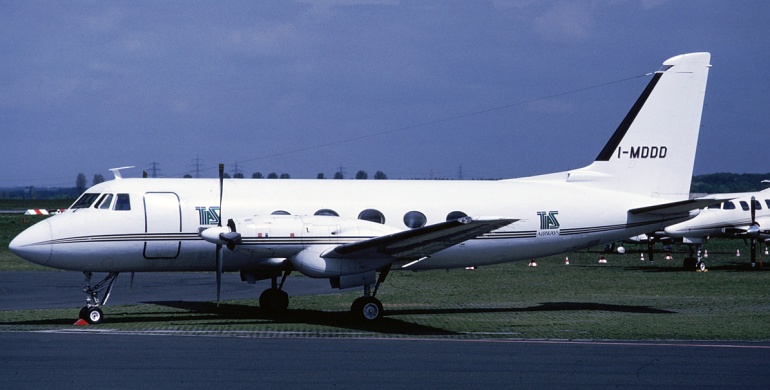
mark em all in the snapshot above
pixel 104 202
pixel 85 201
pixel 123 202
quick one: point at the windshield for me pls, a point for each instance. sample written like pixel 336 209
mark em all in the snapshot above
pixel 85 201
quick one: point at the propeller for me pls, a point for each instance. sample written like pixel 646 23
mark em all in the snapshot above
pixel 221 236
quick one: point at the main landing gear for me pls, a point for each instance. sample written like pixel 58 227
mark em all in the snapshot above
pixel 365 309
pixel 91 311
pixel 275 299
pixel 369 309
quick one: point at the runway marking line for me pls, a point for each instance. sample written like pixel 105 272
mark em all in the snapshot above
pixel 367 336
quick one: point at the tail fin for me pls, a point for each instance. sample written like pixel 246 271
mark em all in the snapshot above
pixel 652 152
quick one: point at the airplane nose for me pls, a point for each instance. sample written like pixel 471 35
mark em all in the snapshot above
pixel 34 243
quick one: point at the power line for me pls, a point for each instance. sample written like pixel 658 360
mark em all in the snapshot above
pixel 443 120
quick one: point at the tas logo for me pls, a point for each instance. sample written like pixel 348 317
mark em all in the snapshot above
pixel 549 225
pixel 208 215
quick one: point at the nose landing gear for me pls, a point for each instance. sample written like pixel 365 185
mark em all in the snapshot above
pixel 91 312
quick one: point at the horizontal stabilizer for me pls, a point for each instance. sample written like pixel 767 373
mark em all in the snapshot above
pixel 420 242
pixel 679 207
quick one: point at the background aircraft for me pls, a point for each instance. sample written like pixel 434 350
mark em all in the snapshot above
pixel 745 216
pixel 354 232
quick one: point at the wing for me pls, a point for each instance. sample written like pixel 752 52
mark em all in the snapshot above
pixel 420 242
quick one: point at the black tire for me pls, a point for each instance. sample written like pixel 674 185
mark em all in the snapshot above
pixel 95 315
pixel 83 315
pixel 367 309
pixel 274 300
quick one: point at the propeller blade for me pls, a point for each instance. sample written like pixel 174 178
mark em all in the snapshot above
pixel 221 190
pixel 753 210
pixel 219 271
pixel 219 224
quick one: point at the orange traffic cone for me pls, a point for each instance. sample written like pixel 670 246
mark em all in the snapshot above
pixel 641 257
pixel 81 322
pixel 668 256
pixel 532 263
pixel 705 253
pixel 566 261
pixel 737 253
pixel 602 260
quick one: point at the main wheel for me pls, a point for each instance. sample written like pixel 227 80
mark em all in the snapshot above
pixel 366 309
pixel 94 315
pixel 274 299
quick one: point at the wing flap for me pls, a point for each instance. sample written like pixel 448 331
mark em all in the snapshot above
pixel 420 242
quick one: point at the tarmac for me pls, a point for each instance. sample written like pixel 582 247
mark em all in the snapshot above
pixel 72 358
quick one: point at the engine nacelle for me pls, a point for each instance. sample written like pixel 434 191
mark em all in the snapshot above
pixel 310 263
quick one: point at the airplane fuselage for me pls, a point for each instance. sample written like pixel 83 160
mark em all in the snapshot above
pixel 729 219
pixel 161 229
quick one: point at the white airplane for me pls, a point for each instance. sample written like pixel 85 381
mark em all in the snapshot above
pixel 745 216
pixel 351 231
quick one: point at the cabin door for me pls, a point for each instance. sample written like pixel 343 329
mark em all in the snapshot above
pixel 163 223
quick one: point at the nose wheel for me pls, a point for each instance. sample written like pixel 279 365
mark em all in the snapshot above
pixel 93 315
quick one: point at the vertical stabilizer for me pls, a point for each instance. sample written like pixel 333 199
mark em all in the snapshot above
pixel 652 152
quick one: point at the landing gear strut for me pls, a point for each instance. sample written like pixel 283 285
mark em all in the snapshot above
pixel 91 311
pixel 368 308
pixel 275 299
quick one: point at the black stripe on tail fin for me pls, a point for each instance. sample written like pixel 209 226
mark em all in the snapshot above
pixel 620 132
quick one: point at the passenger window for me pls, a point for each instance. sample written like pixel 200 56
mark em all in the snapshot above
pixel 328 212
pixel 455 215
pixel 415 219
pixel 757 205
pixel 280 212
pixel 767 202
pixel 372 215
pixel 744 205
pixel 729 206
pixel 123 202
pixel 105 202
pixel 714 206
pixel 85 201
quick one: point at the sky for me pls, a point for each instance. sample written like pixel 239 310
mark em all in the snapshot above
pixel 416 89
